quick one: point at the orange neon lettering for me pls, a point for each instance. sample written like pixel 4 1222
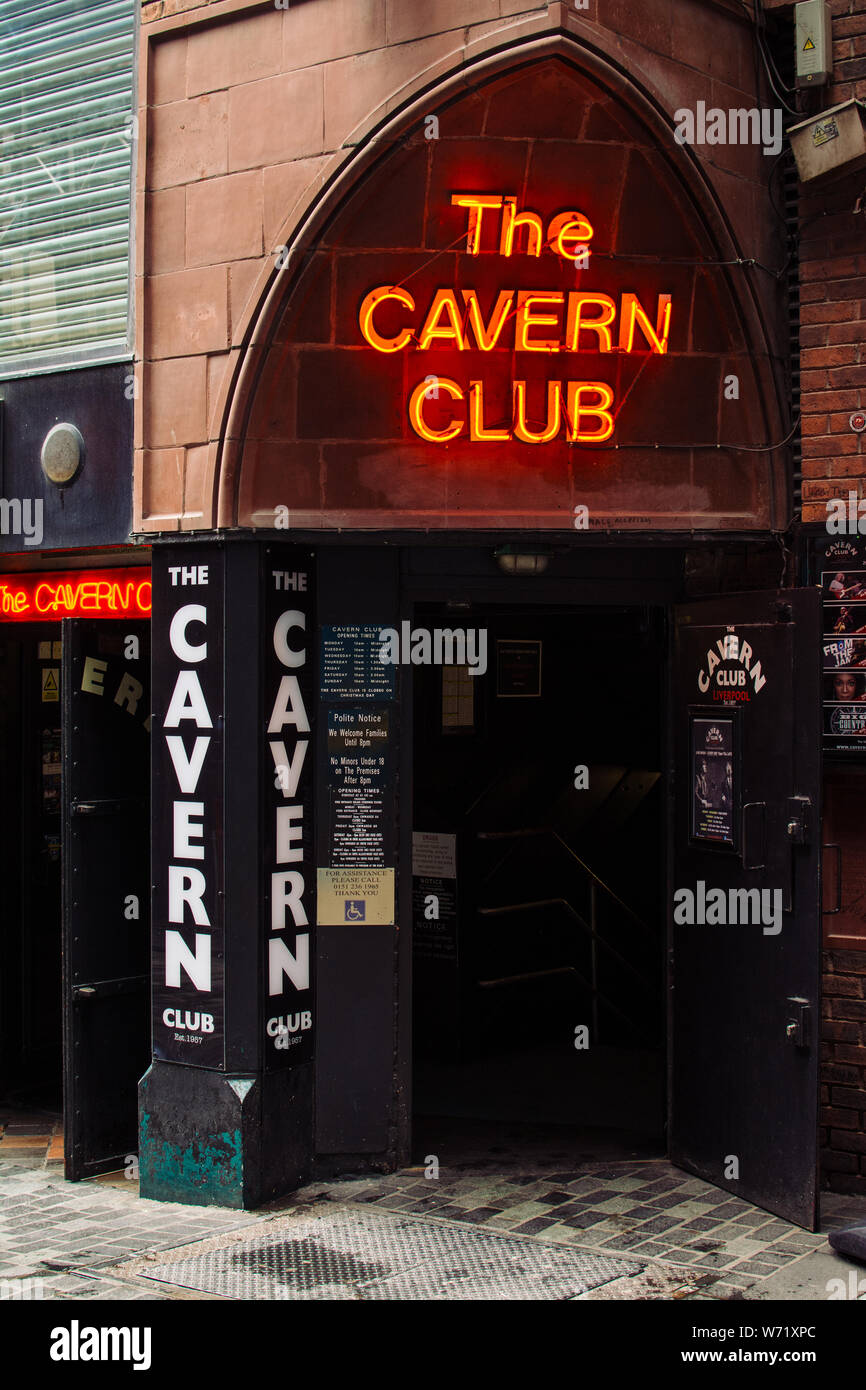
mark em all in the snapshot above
pixel 368 308
pixel 551 429
pixel 145 604
pixel 444 305
pixel 575 410
pixel 477 431
pixel 577 302
pixel 511 220
pixel 487 334
pixel 476 203
pixel 416 411
pixel 632 312
pixel 569 229
pixel 526 320
pixel 42 607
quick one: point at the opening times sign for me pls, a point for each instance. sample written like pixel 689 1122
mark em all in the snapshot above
pixel 359 766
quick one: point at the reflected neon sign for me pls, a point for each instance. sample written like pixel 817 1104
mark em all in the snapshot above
pixel 117 593
pixel 534 320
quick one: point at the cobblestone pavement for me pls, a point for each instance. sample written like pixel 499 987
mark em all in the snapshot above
pixel 60 1239
pixel 95 1239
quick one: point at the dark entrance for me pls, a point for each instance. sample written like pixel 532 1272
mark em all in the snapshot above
pixel 74 858
pixel 106 888
pixel 539 873
pixel 30 841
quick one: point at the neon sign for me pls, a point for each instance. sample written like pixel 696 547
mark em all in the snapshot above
pixel 543 321
pixel 44 597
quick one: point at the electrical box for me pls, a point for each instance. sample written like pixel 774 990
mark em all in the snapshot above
pixel 814 43
pixel 833 141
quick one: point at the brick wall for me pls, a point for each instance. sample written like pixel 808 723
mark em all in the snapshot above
pixel 843 1072
pixel 246 110
pixel 833 296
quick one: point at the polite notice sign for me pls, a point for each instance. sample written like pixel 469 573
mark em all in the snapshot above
pixel 359 772
pixel 350 668
pixel 355 897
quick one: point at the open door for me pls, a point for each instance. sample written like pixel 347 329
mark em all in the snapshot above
pixel 106 888
pixel 744 978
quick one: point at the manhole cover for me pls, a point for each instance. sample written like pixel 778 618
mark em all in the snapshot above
pixel 373 1255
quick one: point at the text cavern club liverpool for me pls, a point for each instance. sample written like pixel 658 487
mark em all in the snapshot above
pixel 549 321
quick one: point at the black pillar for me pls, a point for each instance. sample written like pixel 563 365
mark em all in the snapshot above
pixel 226 1108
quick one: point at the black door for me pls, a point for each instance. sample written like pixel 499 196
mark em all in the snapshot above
pixel 745 943
pixel 106 883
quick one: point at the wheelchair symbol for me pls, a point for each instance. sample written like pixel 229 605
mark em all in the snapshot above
pixel 355 910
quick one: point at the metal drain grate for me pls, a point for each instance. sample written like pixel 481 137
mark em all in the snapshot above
pixel 370 1255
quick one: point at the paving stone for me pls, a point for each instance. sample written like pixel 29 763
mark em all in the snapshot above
pixel 658 1224
pixel 479 1215
pixel 754 1267
pixel 621 1242
pixel 701 1223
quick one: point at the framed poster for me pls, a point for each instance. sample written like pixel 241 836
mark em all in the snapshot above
pixel 714 749
pixel 843 654
pixel 518 669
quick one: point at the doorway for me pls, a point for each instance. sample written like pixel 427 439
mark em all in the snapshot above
pixel 31 1032
pixel 74 855
pixel 539 877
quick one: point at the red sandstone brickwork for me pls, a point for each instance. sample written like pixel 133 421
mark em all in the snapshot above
pixel 833 297
pixel 843 1072
pixel 245 109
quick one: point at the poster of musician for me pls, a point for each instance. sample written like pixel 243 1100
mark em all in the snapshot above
pixel 713 772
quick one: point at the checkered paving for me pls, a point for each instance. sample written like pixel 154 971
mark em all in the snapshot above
pixel 99 1240
pixel 648 1210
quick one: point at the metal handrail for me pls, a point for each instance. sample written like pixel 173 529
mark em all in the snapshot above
pixel 587 927
pixel 590 873
pixel 562 970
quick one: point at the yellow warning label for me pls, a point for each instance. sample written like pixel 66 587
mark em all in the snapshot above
pixel 807 45
pixel 50 685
